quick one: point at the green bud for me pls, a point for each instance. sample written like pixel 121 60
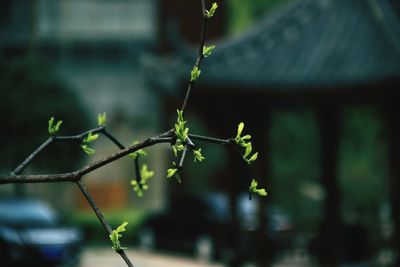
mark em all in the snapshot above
pixel 88 150
pixel 116 235
pixel 197 155
pixel 253 188
pixel 53 129
pixel 90 138
pixel 101 119
pixel 195 73
pixel 210 13
pixel 207 50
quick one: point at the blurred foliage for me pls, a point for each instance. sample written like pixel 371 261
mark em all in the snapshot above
pixel 362 166
pixel 246 13
pixel 94 231
pixel 363 169
pixel 294 164
pixel 30 94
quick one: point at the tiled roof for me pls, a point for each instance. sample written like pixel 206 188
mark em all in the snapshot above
pixel 311 43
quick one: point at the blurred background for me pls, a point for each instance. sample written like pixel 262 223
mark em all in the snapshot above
pixel 315 81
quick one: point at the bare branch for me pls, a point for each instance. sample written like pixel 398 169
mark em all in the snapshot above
pixel 101 218
pixel 75 176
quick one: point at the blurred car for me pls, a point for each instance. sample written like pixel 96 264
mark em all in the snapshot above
pixel 32 234
pixel 191 224
pixel 201 225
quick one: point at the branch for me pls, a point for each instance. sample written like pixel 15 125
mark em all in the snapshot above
pixel 50 140
pixel 76 176
pixel 200 55
pixel 102 219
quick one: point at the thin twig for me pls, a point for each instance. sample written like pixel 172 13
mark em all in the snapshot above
pixel 113 139
pixel 102 219
pixel 244 164
pixel 200 55
pixel 210 139
pixel 28 160
pixel 71 177
pixel 50 140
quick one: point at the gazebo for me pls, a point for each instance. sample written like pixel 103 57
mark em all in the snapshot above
pixel 323 54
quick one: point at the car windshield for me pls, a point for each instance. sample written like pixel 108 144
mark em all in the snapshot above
pixel 27 213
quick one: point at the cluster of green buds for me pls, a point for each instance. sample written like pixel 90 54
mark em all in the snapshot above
pixel 244 141
pixel 116 235
pixel 101 119
pixel 210 13
pixel 253 188
pixel 181 144
pixel 140 186
pixel 53 128
pixel 207 50
pixel 88 139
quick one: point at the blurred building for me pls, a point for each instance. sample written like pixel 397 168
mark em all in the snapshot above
pixel 320 54
pixel 96 47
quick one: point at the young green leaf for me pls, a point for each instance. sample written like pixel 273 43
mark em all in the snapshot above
pixel 197 155
pixel 145 173
pixel 116 235
pixel 248 150
pixel 174 172
pixel 195 73
pixel 210 13
pixel 181 131
pixel 101 119
pixel 207 50
pixel 253 188
pixel 171 172
pixel 253 158
pixel 53 129
pixel 90 138
pixel 177 148
pixel 88 150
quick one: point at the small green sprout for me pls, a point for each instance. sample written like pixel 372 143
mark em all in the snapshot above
pixel 89 138
pixel 195 73
pixel 171 172
pixel 181 131
pixel 116 235
pixel 177 148
pixel 244 142
pixel 101 119
pixel 253 188
pixel 197 155
pixel 88 150
pixel 137 153
pixel 207 50
pixel 53 129
pixel 174 172
pixel 210 13
pixel 239 139
pixel 145 175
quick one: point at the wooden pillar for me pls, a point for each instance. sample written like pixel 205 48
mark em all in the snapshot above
pixel 329 122
pixel 392 116
pixel 265 248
